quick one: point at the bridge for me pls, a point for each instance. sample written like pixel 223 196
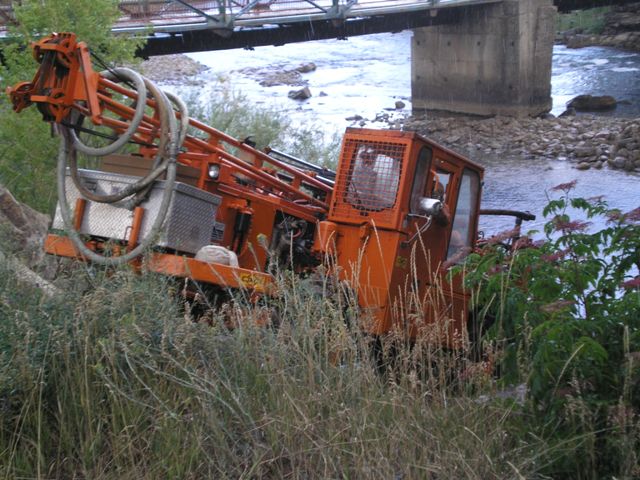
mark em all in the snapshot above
pixel 471 56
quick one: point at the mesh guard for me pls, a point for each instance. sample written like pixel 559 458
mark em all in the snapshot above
pixel 370 186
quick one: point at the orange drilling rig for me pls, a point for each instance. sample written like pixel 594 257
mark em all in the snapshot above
pixel 203 205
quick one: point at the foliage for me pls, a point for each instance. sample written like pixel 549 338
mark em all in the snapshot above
pixel 27 157
pixel 591 20
pixel 567 321
pixel 232 113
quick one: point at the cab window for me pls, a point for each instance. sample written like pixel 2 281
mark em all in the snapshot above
pixel 374 181
pixel 420 179
pixel 441 185
pixel 464 218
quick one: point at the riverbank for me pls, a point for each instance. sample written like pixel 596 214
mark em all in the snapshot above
pixel 587 141
pixel 618 28
pixel 582 141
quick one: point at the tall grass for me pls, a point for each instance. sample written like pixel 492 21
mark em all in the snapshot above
pixel 115 380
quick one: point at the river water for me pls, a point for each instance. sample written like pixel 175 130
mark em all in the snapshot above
pixel 366 75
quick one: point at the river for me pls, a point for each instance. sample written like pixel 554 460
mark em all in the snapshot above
pixel 366 75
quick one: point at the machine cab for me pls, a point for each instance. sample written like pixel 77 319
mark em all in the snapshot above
pixel 403 210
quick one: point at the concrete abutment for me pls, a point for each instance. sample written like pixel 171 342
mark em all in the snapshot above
pixel 495 61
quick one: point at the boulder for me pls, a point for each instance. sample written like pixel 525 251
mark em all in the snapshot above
pixel 581 40
pixel 569 112
pixel 302 94
pixel 307 67
pixel 619 162
pixel 400 105
pixel 583 166
pixel 287 77
pixel 585 151
pixel 584 103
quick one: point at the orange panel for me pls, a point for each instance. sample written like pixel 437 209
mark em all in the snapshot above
pixel 213 273
pixel 177 266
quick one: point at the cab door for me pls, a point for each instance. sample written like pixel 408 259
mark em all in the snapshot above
pixel 461 240
pixel 429 301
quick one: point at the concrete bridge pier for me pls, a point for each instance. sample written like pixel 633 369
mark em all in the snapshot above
pixel 495 60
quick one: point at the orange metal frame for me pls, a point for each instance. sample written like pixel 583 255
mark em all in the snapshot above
pixel 401 285
pixel 398 273
pixel 177 266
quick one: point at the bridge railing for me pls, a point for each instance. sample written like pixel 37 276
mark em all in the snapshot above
pixel 224 11
pixel 224 14
pixel 6 13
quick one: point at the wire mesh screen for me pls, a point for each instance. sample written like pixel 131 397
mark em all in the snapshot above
pixel 370 186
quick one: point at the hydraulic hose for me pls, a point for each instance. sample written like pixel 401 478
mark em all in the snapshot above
pixel 171 138
pixel 167 99
pixel 159 166
pixel 184 116
pixel 119 74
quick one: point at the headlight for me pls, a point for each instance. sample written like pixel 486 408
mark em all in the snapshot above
pixel 214 171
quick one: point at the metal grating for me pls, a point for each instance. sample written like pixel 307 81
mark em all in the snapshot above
pixel 370 186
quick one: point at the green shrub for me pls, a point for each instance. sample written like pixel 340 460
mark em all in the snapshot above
pixel 28 153
pixel 590 21
pixel 232 113
pixel 567 321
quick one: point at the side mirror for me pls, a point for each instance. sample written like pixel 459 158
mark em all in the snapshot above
pixel 430 206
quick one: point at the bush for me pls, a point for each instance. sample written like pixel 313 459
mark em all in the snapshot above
pixel 28 155
pixel 232 113
pixel 590 21
pixel 567 321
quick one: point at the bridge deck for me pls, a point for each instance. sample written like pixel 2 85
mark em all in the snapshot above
pixel 187 15
pixel 266 12
pixel 175 16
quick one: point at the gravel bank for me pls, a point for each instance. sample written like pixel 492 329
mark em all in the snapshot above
pixel 173 70
pixel 586 140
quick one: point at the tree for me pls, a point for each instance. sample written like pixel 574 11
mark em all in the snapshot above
pixel 28 152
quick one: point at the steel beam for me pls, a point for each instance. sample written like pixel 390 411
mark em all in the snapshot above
pixel 206 40
pixel 570 5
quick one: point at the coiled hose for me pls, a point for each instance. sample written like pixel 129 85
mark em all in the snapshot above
pixel 171 138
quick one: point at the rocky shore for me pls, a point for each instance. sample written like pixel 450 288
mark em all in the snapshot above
pixel 587 141
pixel 173 70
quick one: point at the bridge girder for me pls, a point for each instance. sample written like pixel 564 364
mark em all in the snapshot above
pixel 565 6
pixel 206 40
